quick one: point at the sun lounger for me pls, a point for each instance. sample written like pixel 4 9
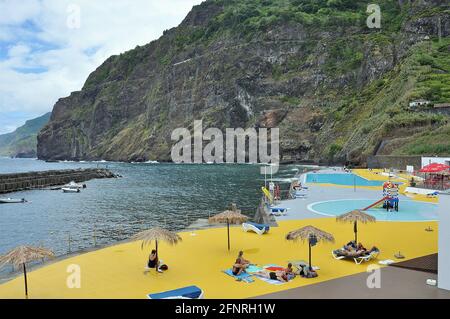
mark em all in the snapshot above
pixel 357 259
pixel 278 211
pixel 191 292
pixel 257 228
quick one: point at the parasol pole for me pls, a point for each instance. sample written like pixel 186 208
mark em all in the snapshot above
pixel 228 232
pixel 25 277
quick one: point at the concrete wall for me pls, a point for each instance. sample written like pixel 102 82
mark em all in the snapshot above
pixel 444 242
pixel 395 162
pixel 23 181
pixel 441 160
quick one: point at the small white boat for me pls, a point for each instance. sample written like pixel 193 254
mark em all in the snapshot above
pixel 70 190
pixel 74 185
pixel 12 200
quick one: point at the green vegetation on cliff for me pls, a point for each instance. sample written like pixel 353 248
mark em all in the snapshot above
pixel 22 142
pixel 336 89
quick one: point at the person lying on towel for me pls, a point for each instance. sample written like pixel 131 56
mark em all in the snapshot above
pixel 279 275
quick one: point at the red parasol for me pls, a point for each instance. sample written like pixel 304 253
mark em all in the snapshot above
pixel 434 168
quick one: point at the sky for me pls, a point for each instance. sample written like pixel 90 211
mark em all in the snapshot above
pixel 49 47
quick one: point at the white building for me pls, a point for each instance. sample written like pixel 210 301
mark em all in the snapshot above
pixel 417 103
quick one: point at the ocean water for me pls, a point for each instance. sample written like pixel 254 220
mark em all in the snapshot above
pixel 110 210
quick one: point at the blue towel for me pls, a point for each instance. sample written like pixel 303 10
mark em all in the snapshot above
pixel 252 269
pixel 245 277
pixel 192 292
pixel 242 276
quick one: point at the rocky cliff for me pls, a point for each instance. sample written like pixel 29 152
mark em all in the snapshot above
pixel 337 89
pixel 22 142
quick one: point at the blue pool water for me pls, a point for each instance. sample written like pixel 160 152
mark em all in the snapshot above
pixel 347 179
pixel 408 210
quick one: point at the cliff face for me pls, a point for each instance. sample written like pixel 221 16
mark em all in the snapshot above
pixel 22 142
pixel 336 89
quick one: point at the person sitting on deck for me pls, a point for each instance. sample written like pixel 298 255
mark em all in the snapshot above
pixel 153 261
pixel 289 271
pixel 240 264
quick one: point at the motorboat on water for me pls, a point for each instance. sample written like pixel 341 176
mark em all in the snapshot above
pixel 70 190
pixel 74 185
pixel 12 200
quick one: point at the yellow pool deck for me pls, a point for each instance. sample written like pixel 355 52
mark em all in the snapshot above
pixel 118 271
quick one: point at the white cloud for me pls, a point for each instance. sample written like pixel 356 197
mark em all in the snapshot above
pixel 47 58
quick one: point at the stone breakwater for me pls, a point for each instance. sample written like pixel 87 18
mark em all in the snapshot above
pixel 35 180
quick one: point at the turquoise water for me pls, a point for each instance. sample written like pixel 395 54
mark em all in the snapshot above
pixel 408 210
pixel 347 179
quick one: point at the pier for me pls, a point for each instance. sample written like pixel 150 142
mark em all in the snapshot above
pixel 35 180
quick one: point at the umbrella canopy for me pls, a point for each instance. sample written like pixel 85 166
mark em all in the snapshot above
pixel 22 255
pixel 306 232
pixel 354 217
pixel 228 216
pixel 156 234
pixel 312 234
pixel 434 168
pixel 232 216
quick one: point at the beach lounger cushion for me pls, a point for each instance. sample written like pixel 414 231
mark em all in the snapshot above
pixel 190 292
pixel 257 228
pixel 278 211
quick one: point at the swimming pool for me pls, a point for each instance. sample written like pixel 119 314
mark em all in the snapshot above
pixel 409 210
pixel 347 179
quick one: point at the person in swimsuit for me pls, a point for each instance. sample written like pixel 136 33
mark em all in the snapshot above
pixel 279 275
pixel 290 273
pixel 240 264
pixel 153 261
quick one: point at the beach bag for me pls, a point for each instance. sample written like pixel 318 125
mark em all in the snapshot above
pixel 311 274
pixel 307 273
pixel 164 267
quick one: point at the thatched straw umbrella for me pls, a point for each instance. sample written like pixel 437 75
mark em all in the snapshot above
pixel 354 217
pixel 156 234
pixel 312 234
pixel 22 255
pixel 232 216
